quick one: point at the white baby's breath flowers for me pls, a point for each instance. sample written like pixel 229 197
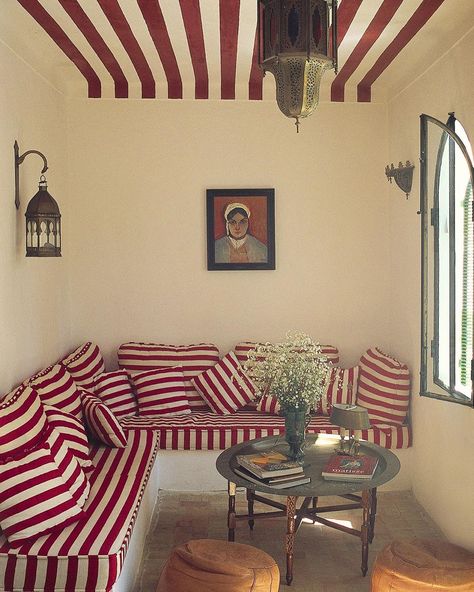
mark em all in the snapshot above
pixel 294 371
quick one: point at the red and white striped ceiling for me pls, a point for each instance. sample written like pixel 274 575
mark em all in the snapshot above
pixel 206 49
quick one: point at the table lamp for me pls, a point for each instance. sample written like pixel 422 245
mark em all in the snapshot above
pixel 352 418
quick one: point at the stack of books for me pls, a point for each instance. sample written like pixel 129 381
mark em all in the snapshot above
pixel 350 468
pixel 272 469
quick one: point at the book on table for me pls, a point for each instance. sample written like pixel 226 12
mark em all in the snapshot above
pixel 350 468
pixel 275 482
pixel 269 464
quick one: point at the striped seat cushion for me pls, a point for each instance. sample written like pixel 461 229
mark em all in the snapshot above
pixel 114 389
pixel 84 364
pixel 225 387
pixel 384 387
pixel 194 359
pixel 209 431
pixel 340 388
pixel 34 497
pixel 101 422
pixel 161 392
pixel 88 555
pixel 73 432
pixel 56 387
pixel 22 421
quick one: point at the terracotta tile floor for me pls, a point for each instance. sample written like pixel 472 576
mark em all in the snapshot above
pixel 326 560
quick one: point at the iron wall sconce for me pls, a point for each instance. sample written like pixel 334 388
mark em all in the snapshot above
pixel 403 175
pixel 43 218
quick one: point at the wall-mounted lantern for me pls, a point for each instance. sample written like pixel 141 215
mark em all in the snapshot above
pixel 43 218
pixel 403 175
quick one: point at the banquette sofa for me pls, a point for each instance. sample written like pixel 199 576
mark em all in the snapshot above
pixel 78 446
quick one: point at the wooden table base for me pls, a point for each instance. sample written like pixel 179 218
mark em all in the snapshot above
pixel 367 501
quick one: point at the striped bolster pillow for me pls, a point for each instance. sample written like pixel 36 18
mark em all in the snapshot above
pixel 84 364
pixel 161 392
pixel 22 421
pixel 268 404
pixel 114 389
pixel 102 423
pixel 56 387
pixel 193 359
pixel 340 388
pixel 34 498
pixel 243 348
pixel 384 387
pixel 225 387
pixel 73 432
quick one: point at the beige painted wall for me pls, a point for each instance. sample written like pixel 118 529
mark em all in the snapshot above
pixel 443 471
pixel 137 252
pixel 34 319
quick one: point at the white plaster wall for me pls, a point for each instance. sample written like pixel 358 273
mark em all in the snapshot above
pixel 138 178
pixel 443 470
pixel 34 315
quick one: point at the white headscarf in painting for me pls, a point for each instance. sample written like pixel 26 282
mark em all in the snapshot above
pixel 236 243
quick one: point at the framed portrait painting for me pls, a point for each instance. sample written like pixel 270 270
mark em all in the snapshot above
pixel 240 229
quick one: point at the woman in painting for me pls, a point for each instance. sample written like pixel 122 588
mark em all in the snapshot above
pixel 238 246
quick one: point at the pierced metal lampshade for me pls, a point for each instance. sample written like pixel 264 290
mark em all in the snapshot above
pixel 351 417
pixel 43 224
pixel 294 46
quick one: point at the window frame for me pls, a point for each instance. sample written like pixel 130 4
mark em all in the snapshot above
pixel 432 266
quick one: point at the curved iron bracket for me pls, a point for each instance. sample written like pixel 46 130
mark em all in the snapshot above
pixel 18 160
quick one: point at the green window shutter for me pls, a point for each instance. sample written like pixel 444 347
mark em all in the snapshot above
pixel 467 296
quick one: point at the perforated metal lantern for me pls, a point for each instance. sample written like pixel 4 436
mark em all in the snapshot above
pixel 43 224
pixel 295 46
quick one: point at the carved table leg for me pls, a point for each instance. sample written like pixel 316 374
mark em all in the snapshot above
pixel 250 496
pixel 315 505
pixel 290 536
pixel 231 489
pixel 364 529
pixel 373 513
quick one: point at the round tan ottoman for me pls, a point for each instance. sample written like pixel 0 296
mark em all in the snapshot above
pixel 420 565
pixel 208 565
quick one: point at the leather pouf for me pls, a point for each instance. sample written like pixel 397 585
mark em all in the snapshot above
pixel 421 565
pixel 208 565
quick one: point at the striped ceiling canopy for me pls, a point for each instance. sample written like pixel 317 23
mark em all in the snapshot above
pixel 206 49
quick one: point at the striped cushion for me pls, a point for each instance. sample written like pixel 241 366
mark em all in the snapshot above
pixel 225 387
pixel 34 498
pixel 242 349
pixel 22 421
pixel 194 359
pixel 161 392
pixel 384 387
pixel 114 389
pixel 101 422
pixel 341 388
pixel 56 387
pixel 73 432
pixel 70 469
pixel 84 364
pixel 88 555
pixel 268 404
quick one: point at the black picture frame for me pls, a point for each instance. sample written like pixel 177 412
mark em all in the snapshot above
pixel 258 214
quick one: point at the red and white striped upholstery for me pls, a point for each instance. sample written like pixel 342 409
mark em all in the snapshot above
pixel 194 359
pixel 242 349
pixel 84 364
pixel 268 404
pixel 73 432
pixel 341 388
pixel 101 422
pixel 87 556
pixel 114 389
pixel 384 387
pixel 34 498
pixel 225 387
pixel 208 431
pixel 22 421
pixel 56 387
pixel 161 392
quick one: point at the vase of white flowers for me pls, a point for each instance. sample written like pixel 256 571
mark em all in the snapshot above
pixel 295 372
